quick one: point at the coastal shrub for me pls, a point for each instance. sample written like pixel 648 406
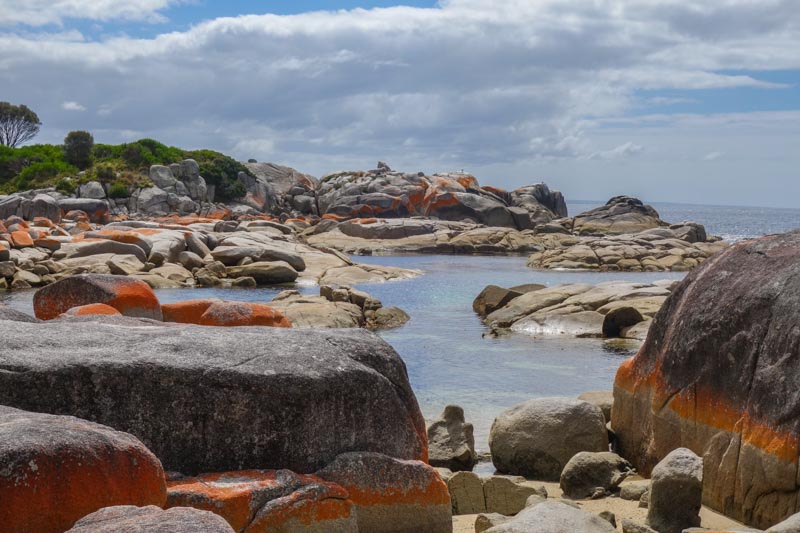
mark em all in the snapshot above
pixel 118 190
pixel 65 186
pixel 222 172
pixel 41 174
pixel 104 173
pixel 78 149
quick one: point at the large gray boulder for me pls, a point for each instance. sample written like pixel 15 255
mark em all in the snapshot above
pixel 451 442
pixel 621 214
pixel 44 205
pixel 537 438
pixel 676 492
pixel 211 399
pixel 150 519
pixel 588 473
pixel 554 517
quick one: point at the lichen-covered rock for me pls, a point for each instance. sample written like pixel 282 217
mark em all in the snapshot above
pixel 132 519
pixel 130 297
pixel 587 472
pixel 451 443
pixel 676 492
pixel 229 314
pixel 717 374
pixel 57 469
pixel 537 438
pixel 92 310
pixel 209 399
pixel 267 501
pixel 392 495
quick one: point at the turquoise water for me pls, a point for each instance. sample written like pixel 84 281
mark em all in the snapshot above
pixel 447 359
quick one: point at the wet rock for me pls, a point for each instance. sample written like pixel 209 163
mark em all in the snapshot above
pixel 328 391
pixel 587 472
pixel 57 469
pixel 390 494
pixel 493 298
pixel 131 519
pixel 386 318
pixel 537 438
pixel 676 492
pixel 128 296
pixel 451 443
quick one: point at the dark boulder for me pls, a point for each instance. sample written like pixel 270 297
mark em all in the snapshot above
pixel 719 374
pixel 209 399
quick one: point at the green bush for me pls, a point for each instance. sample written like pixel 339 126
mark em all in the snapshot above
pixel 104 173
pixel 66 186
pixel 41 174
pixel 118 190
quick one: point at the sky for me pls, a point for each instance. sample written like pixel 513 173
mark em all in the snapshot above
pixel 693 101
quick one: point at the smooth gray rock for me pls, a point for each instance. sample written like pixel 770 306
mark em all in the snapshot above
pixel 93 189
pixel 451 443
pixel 554 517
pixel 44 205
pixel 538 437
pixel 151 519
pixel 602 399
pixel 12 315
pixel 676 492
pixel 790 525
pixel 633 490
pixel 588 471
pixel 208 399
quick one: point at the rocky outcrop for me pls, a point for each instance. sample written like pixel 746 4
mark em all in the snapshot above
pixel 609 309
pixel 537 438
pixel 717 376
pixel 278 189
pixel 621 214
pixel 131 519
pixel 455 196
pixel 57 469
pixel 450 441
pixel 196 395
pixel 553 517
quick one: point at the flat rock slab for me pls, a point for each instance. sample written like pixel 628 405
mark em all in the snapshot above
pixel 208 399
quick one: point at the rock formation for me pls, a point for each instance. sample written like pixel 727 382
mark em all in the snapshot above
pixel 717 375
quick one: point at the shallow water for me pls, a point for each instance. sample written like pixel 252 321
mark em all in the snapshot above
pixel 447 359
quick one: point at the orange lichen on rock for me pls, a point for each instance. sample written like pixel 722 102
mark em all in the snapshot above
pixel 21 239
pixel 42 222
pixel 261 500
pixel 57 469
pixel 230 314
pixel 365 221
pixel 92 310
pixel 131 297
pixel 188 312
pixel 331 216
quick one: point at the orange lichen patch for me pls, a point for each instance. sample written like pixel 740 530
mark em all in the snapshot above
pixel 128 237
pixel 83 226
pixel 494 190
pixel 60 482
pixel 147 231
pixel 77 216
pixel 3 228
pixel 365 221
pixel 434 493
pixel 42 222
pixel 298 219
pixel 242 498
pixel 21 239
pixel 131 297
pixel 47 242
pixel 230 314
pixel 221 214
pixel 188 312
pixel 709 408
pixel 331 216
pixel 468 182
pixel 92 310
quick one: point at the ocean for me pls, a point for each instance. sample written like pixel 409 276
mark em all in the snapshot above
pixel 448 360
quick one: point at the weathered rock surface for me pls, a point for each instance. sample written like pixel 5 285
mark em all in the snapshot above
pixel 264 501
pixel 621 214
pixel 451 443
pixel 717 375
pixel 537 438
pixel 392 495
pixel 553 517
pixel 676 492
pixel 57 469
pixel 608 309
pixel 196 395
pixel 132 519
pixel 604 399
pixel 589 472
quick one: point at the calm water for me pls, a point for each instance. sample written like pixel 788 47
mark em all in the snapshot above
pixel 449 362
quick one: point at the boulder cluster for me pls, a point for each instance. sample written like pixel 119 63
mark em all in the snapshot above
pixel 610 309
pixel 115 423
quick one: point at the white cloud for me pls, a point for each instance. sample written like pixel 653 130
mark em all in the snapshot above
pixel 473 84
pixel 43 12
pixel 712 156
pixel 72 106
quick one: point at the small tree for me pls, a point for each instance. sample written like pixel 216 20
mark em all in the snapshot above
pixel 78 148
pixel 17 124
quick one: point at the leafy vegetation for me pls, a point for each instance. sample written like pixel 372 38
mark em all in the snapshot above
pixel 18 124
pixel 78 148
pixel 122 165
